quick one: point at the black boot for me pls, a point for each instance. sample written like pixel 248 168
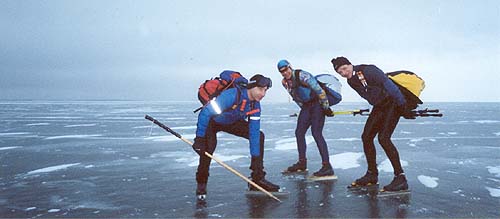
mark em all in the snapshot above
pixel 326 170
pixel 370 178
pixel 300 166
pixel 258 176
pixel 399 183
pixel 201 191
pixel 201 187
pixel 268 186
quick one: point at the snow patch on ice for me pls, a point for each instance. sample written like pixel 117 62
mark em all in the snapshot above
pixel 494 170
pixel 30 208
pixel 13 133
pixel 173 154
pixel 223 158
pixel 452 133
pixel 80 125
pixel 386 165
pixel 346 160
pixel 486 121
pixel 176 118
pixel 142 127
pixel 37 124
pixel 349 139
pixel 290 143
pixel 405 132
pixel 184 127
pixel 72 136
pixel 54 210
pixel 428 181
pixel 53 168
pixel 8 148
pixel 493 192
pixel 497 133
pixel 169 138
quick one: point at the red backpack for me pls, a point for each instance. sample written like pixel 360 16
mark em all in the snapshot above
pixel 215 86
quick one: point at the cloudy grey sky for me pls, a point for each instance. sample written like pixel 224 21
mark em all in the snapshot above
pixel 163 50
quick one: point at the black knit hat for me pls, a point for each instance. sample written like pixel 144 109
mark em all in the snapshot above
pixel 340 61
pixel 259 80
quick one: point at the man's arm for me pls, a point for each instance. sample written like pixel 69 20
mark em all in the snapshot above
pixel 311 81
pixel 254 132
pixel 215 107
pixel 377 76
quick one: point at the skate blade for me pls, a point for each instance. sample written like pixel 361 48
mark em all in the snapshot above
pixel 262 194
pixel 201 197
pixel 355 187
pixel 321 178
pixel 300 172
pixel 383 193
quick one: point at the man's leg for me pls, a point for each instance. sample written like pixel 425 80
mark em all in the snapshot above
pixel 240 128
pixel 204 161
pixel 303 123
pixel 372 127
pixel 384 137
pixel 317 124
pixel 399 181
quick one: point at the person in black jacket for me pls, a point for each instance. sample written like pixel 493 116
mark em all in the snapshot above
pixel 389 105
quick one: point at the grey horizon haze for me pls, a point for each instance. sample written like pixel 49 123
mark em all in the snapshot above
pixel 163 50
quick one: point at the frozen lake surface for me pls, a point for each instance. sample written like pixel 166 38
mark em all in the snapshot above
pixel 103 159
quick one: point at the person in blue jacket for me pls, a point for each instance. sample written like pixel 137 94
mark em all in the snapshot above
pixel 314 106
pixel 389 105
pixel 236 111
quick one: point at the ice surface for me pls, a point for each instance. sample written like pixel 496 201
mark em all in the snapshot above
pixel 13 133
pixel 290 143
pixel 73 136
pixel 80 125
pixel 494 170
pixel 183 127
pixel 345 160
pixel 38 124
pixel 428 181
pixel 129 171
pixel 386 165
pixel 52 168
pixel 487 121
pixel 167 138
pixel 30 208
pixel 223 158
pixel 8 148
pixel 493 192
pixel 349 139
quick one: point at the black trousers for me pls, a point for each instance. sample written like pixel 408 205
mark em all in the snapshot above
pixel 382 121
pixel 239 128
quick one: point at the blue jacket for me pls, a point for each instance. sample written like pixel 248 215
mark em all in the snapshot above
pixel 379 85
pixel 307 90
pixel 221 111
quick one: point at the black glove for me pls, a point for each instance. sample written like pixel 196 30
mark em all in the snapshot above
pixel 200 145
pixel 328 112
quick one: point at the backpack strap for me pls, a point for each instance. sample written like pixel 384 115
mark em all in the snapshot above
pixel 296 72
pixel 237 101
pixel 361 78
